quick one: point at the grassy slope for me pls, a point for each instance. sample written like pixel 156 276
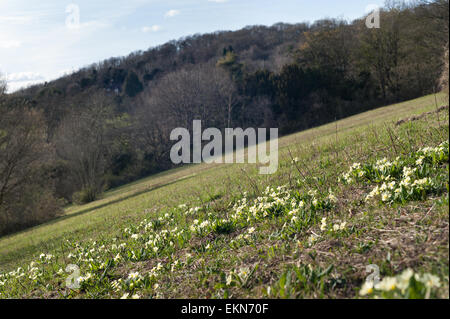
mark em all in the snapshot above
pixel 322 154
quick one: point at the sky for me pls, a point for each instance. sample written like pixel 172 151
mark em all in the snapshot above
pixel 41 40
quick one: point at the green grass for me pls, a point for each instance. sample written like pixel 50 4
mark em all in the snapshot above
pixel 393 236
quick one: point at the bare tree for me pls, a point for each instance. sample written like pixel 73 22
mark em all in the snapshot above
pixel 443 82
pixel 151 135
pixel 202 92
pixel 226 94
pixel 26 194
pixel 82 141
pixel 329 48
pixel 3 86
pixel 380 50
pixel 436 10
pixel 22 147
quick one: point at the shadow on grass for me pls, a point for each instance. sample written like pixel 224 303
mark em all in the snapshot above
pixel 90 209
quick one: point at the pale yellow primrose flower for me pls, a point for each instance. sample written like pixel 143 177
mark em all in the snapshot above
pixel 366 289
pixel 387 284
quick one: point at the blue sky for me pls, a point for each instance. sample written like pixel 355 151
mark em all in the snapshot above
pixel 43 39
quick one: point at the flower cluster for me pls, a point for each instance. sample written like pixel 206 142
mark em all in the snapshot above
pixel 402 180
pixel 45 258
pixel 160 235
pixel 242 277
pixel 201 228
pixel 405 285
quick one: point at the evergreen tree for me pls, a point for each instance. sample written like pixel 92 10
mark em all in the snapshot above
pixel 132 85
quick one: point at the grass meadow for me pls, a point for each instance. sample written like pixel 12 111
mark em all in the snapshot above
pixel 359 197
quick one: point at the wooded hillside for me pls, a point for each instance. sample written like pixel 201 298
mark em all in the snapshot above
pixel 109 123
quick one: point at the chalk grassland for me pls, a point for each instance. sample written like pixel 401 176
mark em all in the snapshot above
pixel 218 246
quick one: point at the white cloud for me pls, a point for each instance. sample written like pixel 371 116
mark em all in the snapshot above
pixel 88 25
pixel 153 28
pixel 24 77
pixel 34 36
pixel 218 1
pixel 15 86
pixel 18 19
pixel 20 80
pixel 10 44
pixel 172 13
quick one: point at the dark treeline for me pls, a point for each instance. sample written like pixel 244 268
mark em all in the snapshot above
pixel 109 123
